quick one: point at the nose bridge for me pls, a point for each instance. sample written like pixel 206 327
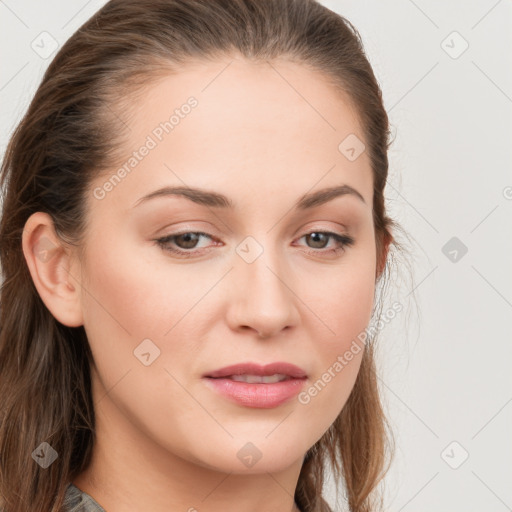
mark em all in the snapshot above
pixel 264 298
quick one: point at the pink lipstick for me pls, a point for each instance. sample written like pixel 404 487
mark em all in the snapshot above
pixel 253 385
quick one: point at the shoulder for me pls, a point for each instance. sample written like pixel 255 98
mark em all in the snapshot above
pixel 76 500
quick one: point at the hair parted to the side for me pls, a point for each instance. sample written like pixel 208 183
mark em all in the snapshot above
pixel 64 141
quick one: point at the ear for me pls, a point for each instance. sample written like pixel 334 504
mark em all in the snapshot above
pixel 383 256
pixel 53 269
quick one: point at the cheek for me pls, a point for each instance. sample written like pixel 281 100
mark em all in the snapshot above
pixel 345 309
pixel 351 304
pixel 127 293
pixel 344 302
pixel 127 299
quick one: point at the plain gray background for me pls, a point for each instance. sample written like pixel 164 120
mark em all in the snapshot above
pixel 446 75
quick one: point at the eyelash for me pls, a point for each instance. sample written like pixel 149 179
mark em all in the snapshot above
pixel 343 241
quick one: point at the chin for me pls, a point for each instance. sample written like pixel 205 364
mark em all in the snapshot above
pixel 256 454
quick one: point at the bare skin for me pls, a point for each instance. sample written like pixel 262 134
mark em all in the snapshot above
pixel 165 440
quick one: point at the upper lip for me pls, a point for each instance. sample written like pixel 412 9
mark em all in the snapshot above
pixel 255 369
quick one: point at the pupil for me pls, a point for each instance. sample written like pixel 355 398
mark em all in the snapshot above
pixel 316 235
pixel 189 239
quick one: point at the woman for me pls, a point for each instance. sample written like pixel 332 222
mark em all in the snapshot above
pixel 193 232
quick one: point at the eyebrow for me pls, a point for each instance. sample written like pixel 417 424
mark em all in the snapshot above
pixel 216 200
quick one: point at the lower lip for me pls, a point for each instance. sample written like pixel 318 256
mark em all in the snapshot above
pixel 263 396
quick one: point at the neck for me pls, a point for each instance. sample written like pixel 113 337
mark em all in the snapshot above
pixel 130 472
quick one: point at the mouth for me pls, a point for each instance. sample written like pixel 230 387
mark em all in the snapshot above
pixel 259 379
pixel 252 385
pixel 276 371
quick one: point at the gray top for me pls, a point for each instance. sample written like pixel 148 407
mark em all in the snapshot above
pixel 78 501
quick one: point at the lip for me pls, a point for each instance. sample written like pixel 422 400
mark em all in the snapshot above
pixel 257 395
pixel 255 369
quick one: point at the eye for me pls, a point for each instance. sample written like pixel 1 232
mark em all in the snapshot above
pixel 342 241
pixel 187 241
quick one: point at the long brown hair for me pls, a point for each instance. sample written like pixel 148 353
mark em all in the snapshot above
pixel 58 148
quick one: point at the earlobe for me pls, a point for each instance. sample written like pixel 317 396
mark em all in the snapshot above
pixel 51 266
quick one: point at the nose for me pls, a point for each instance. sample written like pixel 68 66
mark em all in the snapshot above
pixel 262 297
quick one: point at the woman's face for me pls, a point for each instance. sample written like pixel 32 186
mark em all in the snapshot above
pixel 250 284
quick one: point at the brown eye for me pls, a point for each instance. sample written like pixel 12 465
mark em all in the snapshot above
pixel 185 244
pixel 316 237
pixel 187 240
pixel 182 244
pixel 320 240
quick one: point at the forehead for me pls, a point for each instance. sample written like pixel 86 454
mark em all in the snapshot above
pixel 269 126
pixel 266 97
